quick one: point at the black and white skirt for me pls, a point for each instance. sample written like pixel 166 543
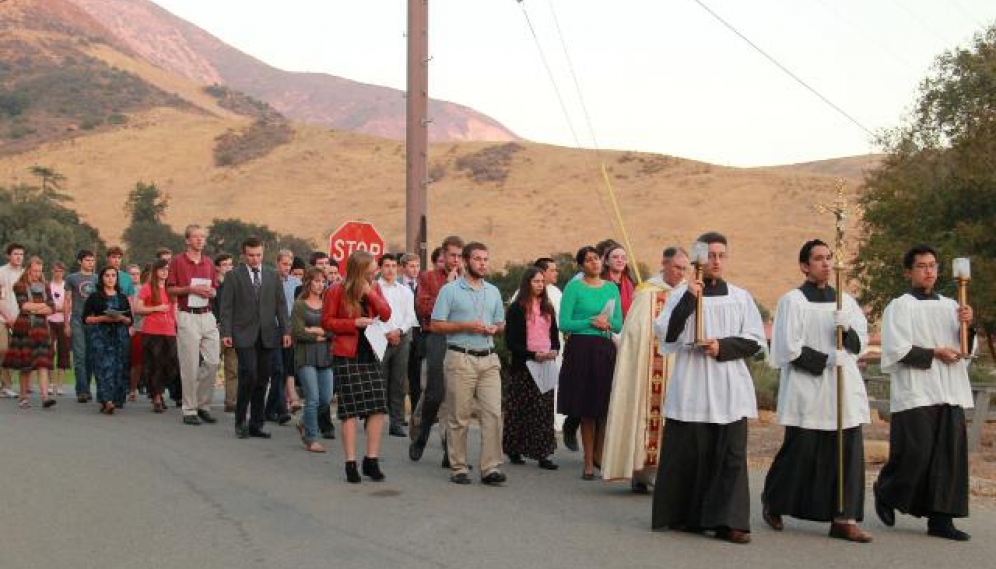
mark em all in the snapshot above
pixel 361 387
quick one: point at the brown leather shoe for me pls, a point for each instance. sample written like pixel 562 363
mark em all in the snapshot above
pixel 850 532
pixel 733 535
pixel 773 520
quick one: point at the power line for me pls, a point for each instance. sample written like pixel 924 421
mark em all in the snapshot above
pixel 574 76
pixel 784 69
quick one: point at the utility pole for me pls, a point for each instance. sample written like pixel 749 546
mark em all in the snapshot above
pixel 417 130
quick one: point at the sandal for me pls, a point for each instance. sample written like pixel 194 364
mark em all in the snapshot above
pixel 107 408
pixel 23 403
pixel 133 396
pixel 295 406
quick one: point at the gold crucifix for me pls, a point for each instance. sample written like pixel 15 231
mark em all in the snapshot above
pixel 840 210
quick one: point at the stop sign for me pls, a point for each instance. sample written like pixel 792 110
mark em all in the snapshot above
pixel 355 236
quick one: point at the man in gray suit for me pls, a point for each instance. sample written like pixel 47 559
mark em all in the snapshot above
pixel 253 314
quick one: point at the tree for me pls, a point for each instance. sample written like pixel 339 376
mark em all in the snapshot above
pixel 227 235
pixel 50 180
pixel 44 225
pixel 147 205
pixel 937 185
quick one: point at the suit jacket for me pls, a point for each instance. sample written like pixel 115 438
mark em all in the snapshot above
pixel 244 318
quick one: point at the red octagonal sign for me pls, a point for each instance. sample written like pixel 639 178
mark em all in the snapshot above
pixel 355 236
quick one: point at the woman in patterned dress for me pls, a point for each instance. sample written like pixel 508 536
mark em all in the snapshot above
pixel 530 334
pixel 107 315
pixel 30 341
pixel 349 307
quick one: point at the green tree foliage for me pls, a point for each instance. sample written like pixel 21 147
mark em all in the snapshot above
pixel 938 183
pixel 44 225
pixel 227 235
pixel 146 205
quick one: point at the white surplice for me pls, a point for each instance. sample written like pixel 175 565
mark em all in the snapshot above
pixel 909 322
pixel 806 400
pixel 703 389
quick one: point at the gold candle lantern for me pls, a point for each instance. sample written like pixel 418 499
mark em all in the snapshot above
pixel 961 268
pixel 700 256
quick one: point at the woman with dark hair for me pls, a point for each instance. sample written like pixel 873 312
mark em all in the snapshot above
pixel 312 357
pixel 531 335
pixel 590 311
pixel 161 364
pixel 616 270
pixel 107 315
pixel 349 307
pixel 30 343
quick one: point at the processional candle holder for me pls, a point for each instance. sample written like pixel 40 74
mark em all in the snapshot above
pixel 961 268
pixel 700 256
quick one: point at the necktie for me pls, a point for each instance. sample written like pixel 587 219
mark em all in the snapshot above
pixel 255 282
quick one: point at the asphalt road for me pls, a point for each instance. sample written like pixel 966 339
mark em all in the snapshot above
pixel 139 490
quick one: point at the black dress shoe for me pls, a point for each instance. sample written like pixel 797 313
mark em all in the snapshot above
pixel 206 417
pixel 460 478
pixel 284 419
pixel 397 430
pixel 884 511
pixel 328 434
pixel 773 520
pixel 242 432
pixel 945 528
pixel 515 458
pixel 352 475
pixel 571 440
pixel 493 478
pixel 191 420
pixel 638 487
pixel 258 433
pixel 416 449
pixel 371 468
pixel 547 464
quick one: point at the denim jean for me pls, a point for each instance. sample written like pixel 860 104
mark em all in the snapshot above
pixel 81 365
pixel 317 384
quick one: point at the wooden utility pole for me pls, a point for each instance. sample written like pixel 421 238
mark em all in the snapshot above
pixel 417 130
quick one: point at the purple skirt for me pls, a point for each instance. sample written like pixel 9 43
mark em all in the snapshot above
pixel 586 377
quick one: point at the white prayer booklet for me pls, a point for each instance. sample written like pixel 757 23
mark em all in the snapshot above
pixel 545 375
pixel 609 308
pixel 376 335
pixel 195 301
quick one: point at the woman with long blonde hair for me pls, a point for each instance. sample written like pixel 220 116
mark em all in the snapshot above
pixel 348 309
pixel 30 342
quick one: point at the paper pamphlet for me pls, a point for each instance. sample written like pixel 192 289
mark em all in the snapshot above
pixel 545 374
pixel 376 335
pixel 194 301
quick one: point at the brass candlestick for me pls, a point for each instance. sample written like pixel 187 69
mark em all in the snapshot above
pixel 700 256
pixel 962 271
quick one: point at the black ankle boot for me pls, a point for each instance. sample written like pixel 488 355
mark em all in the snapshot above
pixel 371 468
pixel 352 476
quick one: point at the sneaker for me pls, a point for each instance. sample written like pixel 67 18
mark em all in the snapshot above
pixel 8 393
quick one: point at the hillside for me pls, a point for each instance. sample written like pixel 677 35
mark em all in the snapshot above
pixel 188 51
pixel 551 199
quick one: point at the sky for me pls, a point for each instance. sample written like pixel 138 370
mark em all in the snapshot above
pixel 659 76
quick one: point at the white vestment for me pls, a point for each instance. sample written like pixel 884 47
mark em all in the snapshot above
pixel 909 322
pixel 703 389
pixel 806 400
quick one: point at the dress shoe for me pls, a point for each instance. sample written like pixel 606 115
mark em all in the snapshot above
pixel 284 419
pixel 352 475
pixel 587 476
pixel 81 399
pixel 191 420
pixel 945 528
pixel 849 532
pixel 733 535
pixel 242 432
pixel 515 458
pixel 259 433
pixel 885 512
pixel 494 478
pixel 416 449
pixel 396 430
pixel 206 417
pixel 571 440
pixel 371 468
pixel 460 478
pixel 773 520
pixel 328 434
pixel 547 464
pixel 639 487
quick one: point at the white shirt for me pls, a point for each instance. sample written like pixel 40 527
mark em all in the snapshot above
pixel 806 400
pixel 909 322
pixel 402 303
pixel 8 277
pixel 703 389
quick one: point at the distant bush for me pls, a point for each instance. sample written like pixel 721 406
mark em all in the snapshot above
pixel 489 164
pixel 239 102
pixel 13 104
pixel 257 140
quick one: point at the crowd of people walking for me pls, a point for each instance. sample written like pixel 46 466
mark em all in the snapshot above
pixel 361 341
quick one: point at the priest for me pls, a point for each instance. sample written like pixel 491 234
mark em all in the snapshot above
pixel 702 480
pixel 927 471
pixel 803 480
pixel 635 421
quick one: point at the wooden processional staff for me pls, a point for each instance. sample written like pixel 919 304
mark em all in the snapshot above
pixel 839 209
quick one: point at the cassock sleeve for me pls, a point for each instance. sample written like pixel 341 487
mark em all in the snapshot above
pixel 897 339
pixel 856 338
pixel 787 336
pixel 679 316
pixel 750 339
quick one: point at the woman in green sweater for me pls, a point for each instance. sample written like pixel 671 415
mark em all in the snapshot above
pixel 590 312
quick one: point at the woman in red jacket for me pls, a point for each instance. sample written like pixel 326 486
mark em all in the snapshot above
pixel 349 308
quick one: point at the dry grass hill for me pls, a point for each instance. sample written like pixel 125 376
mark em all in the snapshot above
pixel 523 199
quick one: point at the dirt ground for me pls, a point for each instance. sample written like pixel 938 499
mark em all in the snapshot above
pixel 765 437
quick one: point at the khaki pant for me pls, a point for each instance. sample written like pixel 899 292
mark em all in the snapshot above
pixel 473 384
pixel 230 363
pixel 198 348
pixel 4 344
